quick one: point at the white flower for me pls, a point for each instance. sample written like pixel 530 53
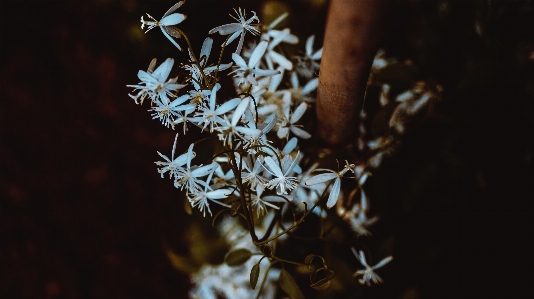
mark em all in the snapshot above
pixel 229 130
pixel 253 143
pixel 195 71
pixel 252 173
pixel 332 175
pixel 270 32
pixel 281 173
pixel 155 82
pixel 300 94
pixel 166 21
pixel 261 203
pixel 189 177
pixel 168 111
pixel 238 29
pixel 285 126
pixel 183 118
pixel 272 57
pixel 308 64
pixel 307 194
pixel 209 114
pixel 200 197
pixel 368 274
pixel 172 165
pixel 247 72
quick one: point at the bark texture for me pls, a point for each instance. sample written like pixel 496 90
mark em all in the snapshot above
pixel 353 31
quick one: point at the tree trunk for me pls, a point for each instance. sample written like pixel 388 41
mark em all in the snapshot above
pixel 353 32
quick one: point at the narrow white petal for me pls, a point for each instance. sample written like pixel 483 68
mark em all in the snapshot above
pixel 309 45
pixel 267 109
pixel 248 131
pixel 310 86
pixel 278 38
pixel 239 111
pixel 293 164
pixel 261 72
pixel 317 55
pixel 170 38
pixel 383 262
pixel 269 122
pixel 174 19
pixel 274 167
pixel 182 108
pixel 278 20
pixel 363 260
pixel 162 72
pixel 364 202
pixel 290 146
pixel 320 178
pixel 257 54
pixel 206 48
pixel 202 171
pixel 227 106
pixel 190 155
pixel 294 80
pixel 146 77
pixel 239 61
pixel 226 29
pixel 282 133
pixel 298 113
pixel 164 157
pixel 281 60
pixel 334 194
pixel 275 81
pixel 218 194
pixel 300 132
pixel 232 37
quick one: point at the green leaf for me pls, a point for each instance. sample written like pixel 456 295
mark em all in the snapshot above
pixel 288 284
pixel 237 257
pixel 254 274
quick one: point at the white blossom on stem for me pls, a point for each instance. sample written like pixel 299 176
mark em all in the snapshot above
pixel 281 172
pixel 308 64
pixel 172 165
pixel 331 175
pixel 201 198
pixel 155 82
pixel 238 29
pixel 209 115
pixel 368 274
pixel 286 125
pixel 166 22
pixel 246 72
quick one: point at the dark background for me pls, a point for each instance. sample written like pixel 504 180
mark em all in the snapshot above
pixel 84 213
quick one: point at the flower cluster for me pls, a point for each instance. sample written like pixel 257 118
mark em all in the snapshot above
pixel 261 173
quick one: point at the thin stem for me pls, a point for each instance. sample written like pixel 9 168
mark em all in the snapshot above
pixel 248 216
pixel 195 58
pixel 220 57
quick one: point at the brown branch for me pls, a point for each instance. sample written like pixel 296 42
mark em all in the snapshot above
pixel 353 31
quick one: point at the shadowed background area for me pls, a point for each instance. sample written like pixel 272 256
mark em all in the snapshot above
pixel 84 213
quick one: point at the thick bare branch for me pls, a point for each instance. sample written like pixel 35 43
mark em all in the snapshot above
pixel 353 32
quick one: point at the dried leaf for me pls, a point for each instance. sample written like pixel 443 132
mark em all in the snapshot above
pixel 324 282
